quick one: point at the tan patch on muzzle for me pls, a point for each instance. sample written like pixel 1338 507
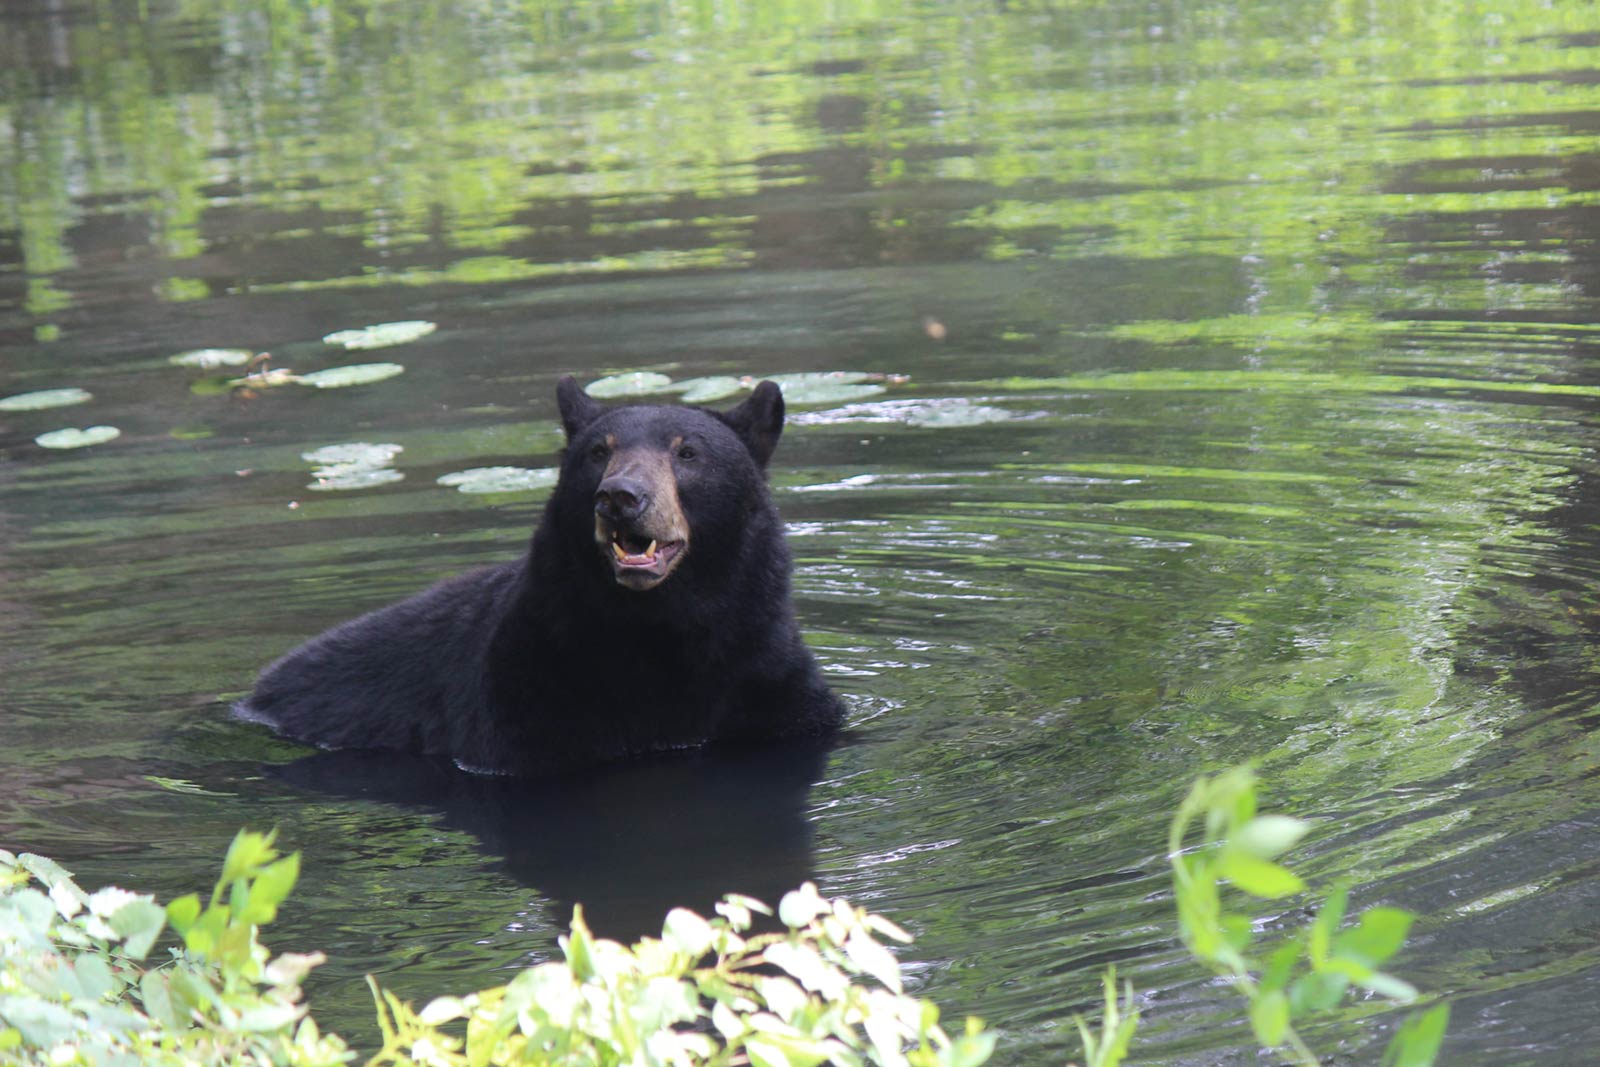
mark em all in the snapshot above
pixel 639 523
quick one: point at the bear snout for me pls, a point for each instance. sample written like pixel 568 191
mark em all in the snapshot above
pixel 621 499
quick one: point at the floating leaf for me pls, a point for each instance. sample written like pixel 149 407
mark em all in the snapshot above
pixel 355 478
pixel 207 358
pixel 820 377
pixel 705 390
pixel 354 374
pixel 946 414
pixel 356 453
pixel 820 391
pixel 357 465
pixel 45 398
pixel 500 479
pixel 382 335
pixel 638 383
pixel 75 438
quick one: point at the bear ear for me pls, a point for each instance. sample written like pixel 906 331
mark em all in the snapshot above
pixel 578 408
pixel 758 421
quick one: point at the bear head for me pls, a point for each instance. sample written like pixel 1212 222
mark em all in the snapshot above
pixel 661 481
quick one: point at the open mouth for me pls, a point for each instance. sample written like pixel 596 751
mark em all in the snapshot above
pixel 640 562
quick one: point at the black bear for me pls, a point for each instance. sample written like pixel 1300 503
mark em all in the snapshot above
pixel 651 612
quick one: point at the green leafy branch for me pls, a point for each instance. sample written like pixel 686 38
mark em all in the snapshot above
pixel 1312 969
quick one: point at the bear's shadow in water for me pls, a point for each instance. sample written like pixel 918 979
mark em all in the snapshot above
pixel 628 841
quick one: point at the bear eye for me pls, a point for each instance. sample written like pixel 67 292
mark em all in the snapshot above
pixel 599 450
pixel 686 452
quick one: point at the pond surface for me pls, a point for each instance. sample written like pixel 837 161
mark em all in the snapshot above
pixel 1246 407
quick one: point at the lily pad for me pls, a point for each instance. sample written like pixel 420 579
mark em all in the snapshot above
pixel 45 398
pixel 638 383
pixel 705 390
pixel 500 479
pixel 331 478
pixel 75 438
pixel 803 394
pixel 355 453
pixel 947 414
pixel 207 358
pixel 356 465
pixel 382 335
pixel 821 377
pixel 354 374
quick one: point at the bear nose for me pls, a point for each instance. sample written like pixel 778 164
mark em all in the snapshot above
pixel 619 499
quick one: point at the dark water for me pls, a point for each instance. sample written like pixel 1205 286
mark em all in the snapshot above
pixel 1289 314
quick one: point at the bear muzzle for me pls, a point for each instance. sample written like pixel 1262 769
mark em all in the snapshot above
pixel 639 525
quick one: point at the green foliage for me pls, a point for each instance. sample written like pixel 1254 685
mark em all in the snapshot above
pixel 706 993
pixel 73 991
pixel 791 999
pixel 1306 972
pixel 1117 1025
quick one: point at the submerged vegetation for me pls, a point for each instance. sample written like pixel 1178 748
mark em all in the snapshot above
pixel 75 987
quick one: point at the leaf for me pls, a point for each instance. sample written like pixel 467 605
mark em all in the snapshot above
pixel 1326 924
pixel 76 438
pixel 208 358
pixel 270 888
pixel 1316 992
pixel 1269 1018
pixel 802 390
pixel 799 906
pixel 637 383
pixel 1388 985
pixel 950 414
pixel 139 922
pixel 579 947
pixel 157 1000
pixel 500 479
pixel 705 390
pixel 382 335
pixel 688 933
pixel 45 398
pixel 261 379
pixel 874 959
pixel 94 976
pixel 1267 836
pixel 356 453
pixel 968 1050
pixel 1378 935
pixel 1417 1041
pixel 247 852
pixel 1259 878
pixel 353 374
pixel 182 913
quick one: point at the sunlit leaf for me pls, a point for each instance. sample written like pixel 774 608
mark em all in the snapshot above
pixel 1269 1017
pixel 76 438
pixel 382 335
pixel 208 358
pixel 45 398
pixel 1267 836
pixel 500 479
pixel 637 383
pixel 1377 935
pixel 354 374
pixel 1417 1042
pixel 1261 878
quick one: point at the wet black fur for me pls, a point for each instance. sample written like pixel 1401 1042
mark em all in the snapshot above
pixel 546 664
